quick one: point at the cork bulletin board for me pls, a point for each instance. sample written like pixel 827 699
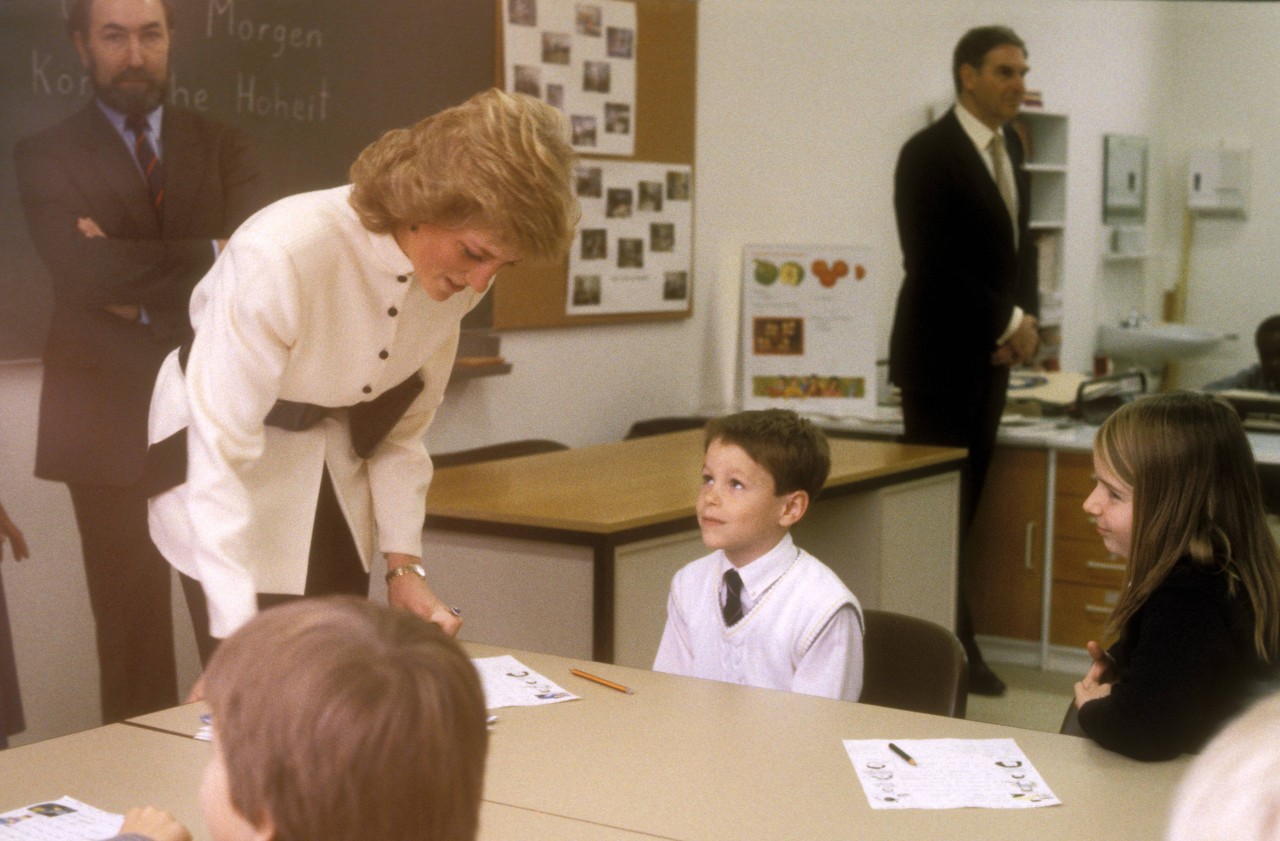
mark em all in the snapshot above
pixel 536 295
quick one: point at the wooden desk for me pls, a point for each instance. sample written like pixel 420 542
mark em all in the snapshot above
pixel 572 552
pixel 699 760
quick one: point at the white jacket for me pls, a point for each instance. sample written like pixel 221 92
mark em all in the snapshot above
pixel 305 305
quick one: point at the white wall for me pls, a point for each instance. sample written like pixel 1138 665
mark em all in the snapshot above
pixel 802 106
pixel 1221 95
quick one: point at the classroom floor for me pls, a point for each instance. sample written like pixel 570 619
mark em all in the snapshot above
pixel 1034 699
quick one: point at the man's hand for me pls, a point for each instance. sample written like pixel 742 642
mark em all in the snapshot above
pixel 89 228
pixel 1019 347
pixel 197 691
pixel 129 312
pixel 11 533
pixel 410 592
pixel 154 823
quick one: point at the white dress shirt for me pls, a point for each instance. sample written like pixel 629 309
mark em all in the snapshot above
pixel 981 136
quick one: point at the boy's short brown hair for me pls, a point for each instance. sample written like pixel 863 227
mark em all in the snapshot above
pixel 793 450
pixel 342 720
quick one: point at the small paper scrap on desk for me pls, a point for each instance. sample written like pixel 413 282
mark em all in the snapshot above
pixel 509 683
pixel 64 819
pixel 948 774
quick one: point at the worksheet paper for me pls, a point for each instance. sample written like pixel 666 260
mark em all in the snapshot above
pixel 509 683
pixel 949 774
pixel 64 819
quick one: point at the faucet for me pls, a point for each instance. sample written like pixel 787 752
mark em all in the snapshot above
pixel 1135 319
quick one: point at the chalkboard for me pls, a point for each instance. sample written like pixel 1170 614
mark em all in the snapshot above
pixel 312 81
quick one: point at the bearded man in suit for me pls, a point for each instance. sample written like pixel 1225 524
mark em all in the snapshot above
pixel 128 202
pixel 969 303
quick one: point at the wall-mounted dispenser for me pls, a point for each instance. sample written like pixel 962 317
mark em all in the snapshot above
pixel 1218 182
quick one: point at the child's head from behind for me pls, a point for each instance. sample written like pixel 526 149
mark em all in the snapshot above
pixel 761 470
pixel 338 719
pixel 1267 341
pixel 1232 789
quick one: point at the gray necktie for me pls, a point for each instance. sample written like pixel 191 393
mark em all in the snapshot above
pixel 1004 180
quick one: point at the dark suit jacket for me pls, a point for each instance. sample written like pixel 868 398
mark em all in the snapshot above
pixel 963 272
pixel 99 368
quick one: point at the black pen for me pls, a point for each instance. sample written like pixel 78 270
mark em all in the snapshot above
pixel 902 753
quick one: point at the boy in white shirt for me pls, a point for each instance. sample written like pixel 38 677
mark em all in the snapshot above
pixel 759 610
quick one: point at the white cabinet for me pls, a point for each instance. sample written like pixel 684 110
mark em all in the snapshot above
pixel 1044 136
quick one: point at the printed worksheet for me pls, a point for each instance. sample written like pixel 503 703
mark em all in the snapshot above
pixel 64 819
pixel 947 774
pixel 509 683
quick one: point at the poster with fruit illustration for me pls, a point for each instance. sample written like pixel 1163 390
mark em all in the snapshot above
pixel 633 251
pixel 580 56
pixel 808 339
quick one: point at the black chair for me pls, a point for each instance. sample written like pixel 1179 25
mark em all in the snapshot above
pixel 494 452
pixel 913 664
pixel 659 426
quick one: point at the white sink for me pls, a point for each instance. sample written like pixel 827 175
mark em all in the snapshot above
pixel 1152 344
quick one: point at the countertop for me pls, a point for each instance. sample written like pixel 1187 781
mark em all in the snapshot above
pixel 1019 431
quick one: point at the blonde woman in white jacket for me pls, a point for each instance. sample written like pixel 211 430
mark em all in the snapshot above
pixel 324 337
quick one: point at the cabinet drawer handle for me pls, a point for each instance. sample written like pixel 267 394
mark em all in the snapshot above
pixel 1093 608
pixel 1104 565
pixel 1028 543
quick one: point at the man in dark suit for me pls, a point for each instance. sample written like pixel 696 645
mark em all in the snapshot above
pixel 969 302
pixel 127 202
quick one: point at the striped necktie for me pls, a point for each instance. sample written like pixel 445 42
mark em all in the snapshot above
pixel 152 169
pixel 733 598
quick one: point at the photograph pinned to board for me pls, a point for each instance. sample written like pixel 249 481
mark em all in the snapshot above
pixel 808 332
pixel 633 250
pixel 581 58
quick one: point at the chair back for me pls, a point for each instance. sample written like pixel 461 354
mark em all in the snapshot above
pixel 494 452
pixel 659 426
pixel 913 664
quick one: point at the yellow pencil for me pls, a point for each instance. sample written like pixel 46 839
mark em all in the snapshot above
pixel 601 681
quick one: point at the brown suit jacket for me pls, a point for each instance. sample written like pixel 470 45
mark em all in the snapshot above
pixel 99 368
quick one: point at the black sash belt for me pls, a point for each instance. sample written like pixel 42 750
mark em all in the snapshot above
pixel 166 465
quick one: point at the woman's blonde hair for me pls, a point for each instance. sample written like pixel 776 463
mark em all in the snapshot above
pixel 342 720
pixel 498 161
pixel 1195 493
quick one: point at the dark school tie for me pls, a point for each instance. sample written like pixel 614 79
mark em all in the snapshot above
pixel 152 169
pixel 733 599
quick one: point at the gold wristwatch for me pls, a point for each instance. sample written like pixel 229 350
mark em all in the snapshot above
pixel 415 568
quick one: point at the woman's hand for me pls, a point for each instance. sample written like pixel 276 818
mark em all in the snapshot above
pixel 154 823
pixel 410 592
